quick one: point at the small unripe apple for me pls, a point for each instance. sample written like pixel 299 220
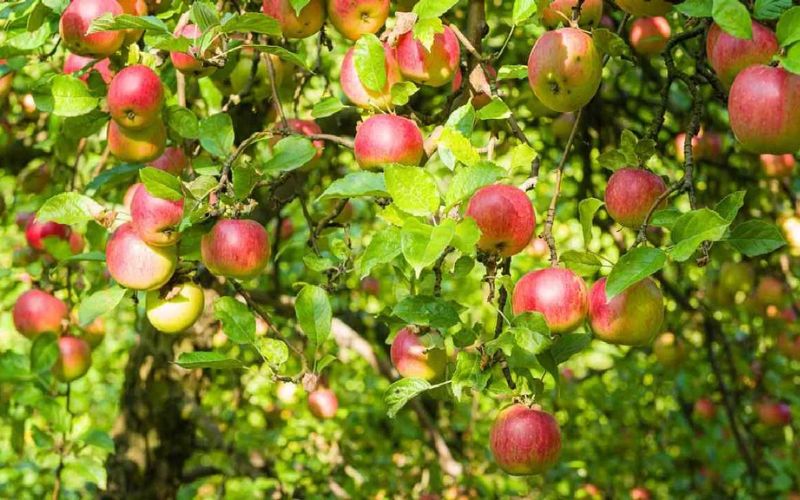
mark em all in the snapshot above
pixel 525 440
pixel 728 55
pixel 323 403
pixel 705 408
pixel 505 216
pixel 74 358
pixel 384 139
pixel 134 8
pixel 434 67
pixel 355 18
pixel 135 264
pixel 36 232
pixel 644 8
pixel 74 62
pixel 777 165
pixel 173 160
pixel 154 219
pixel 137 146
pixel 559 294
pixel 135 97
pixel 774 414
pixel 236 248
pixel 789 346
pixel 75 22
pixel 559 12
pixel 633 317
pixel 174 310
pixel 362 96
pixel 649 35
pixel 670 350
pixel 631 193
pixel 413 359
pixel 189 63
pixel 36 312
pixel 310 20
pixel 640 493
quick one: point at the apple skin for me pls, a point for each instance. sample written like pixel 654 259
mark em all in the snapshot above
pixel 774 414
pixel 649 35
pixel 729 55
pixel 173 160
pixel 384 139
pixel 371 286
pixel 705 409
pixel 310 21
pixel 630 194
pixel 175 314
pixel 558 293
pixel 559 12
pixel 644 8
pixel 187 62
pixel 410 358
pixel 361 96
pixel 74 62
pixel 789 346
pixel 564 69
pixel 36 312
pixel 762 105
pixel 135 97
pixel 632 318
pixel 669 350
pixel 36 232
pixel 155 219
pixel 435 67
pixel 235 248
pixel 128 197
pixel 136 265
pixel 286 229
pixel 74 358
pixel 506 218
pixel 353 18
pixel 134 8
pixel 323 403
pixel 777 165
pixel 137 146
pixel 75 22
pixel 524 440
pixel 640 493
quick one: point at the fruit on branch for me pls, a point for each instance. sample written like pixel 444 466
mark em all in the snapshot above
pixel 304 127
pixel 633 317
pixel 191 63
pixel 353 18
pixel 505 216
pixel 559 12
pixel 74 63
pixel 705 409
pixel 559 294
pixel 773 414
pixel 286 229
pixel 538 248
pixel 362 96
pixel 564 69
pixel 762 107
pixel 770 291
pixel 75 22
pixel 135 97
pixel 308 22
pixel 154 219
pixel 323 403
pixel 137 146
pixel 705 146
pixel 74 358
pixel 644 8
pixel 94 332
pixel 261 86
pixel 631 193
pixel 411 358
pixel 135 264
pixel 592 491
pixel 36 312
pixel 480 96
pixel 128 196
pixel 174 309
pixel 173 160
pixel 525 440
pixel 729 55
pixel 36 232
pixel 669 349
pixel 777 165
pixel 640 493
pixel 434 67
pixel 384 139
pixel 371 286
pixel 134 8
pixel 235 248
pixel 649 35
pixel 28 105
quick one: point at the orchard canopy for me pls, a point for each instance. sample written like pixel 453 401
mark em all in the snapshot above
pixel 439 249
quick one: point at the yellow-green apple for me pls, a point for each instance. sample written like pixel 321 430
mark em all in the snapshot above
pixel 505 217
pixel 134 8
pixel 670 350
pixel 524 440
pixel 135 97
pixel 137 146
pixel 773 414
pixel 777 165
pixel 75 22
pixel 631 193
pixel 434 67
pixel 174 309
pixel 191 62
pixel 649 35
pixel 36 312
pixel 362 96
pixel 74 63
pixel 261 86
pixel 173 160
pixel 633 317
pixel 559 294
pixel 412 358
pixel 155 219
pixel 705 408
pixel 728 55
pixel 642 8
pixel 559 12
pixel 384 139
pixel 135 264
pixel 235 248
pixel 323 403
pixel 353 18
pixel 310 20
pixel 74 358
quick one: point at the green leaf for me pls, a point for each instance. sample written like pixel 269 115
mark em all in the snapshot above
pixel 204 16
pixel 583 263
pixel 665 217
pixel 298 5
pixel 71 96
pixel 791 61
pixel 425 310
pixel 425 31
pixel 206 359
pixel 275 351
pixel 732 16
pixel 238 322
pixel 610 43
pixel 694 227
pixel 729 206
pixel 413 189
pixel 109 22
pixel 370 62
pixel 13 366
pixel 284 54
pixel 383 247
pixel 569 345
pixel 69 208
pixel 161 184
pixel 613 160
pixel 633 267
pixel 468 374
pixel 87 257
pixel 756 237
pixel 522 10
pixel 466 237
pixel 290 153
pixel 695 8
pixel 459 145
pixel 325 361
pixel 422 244
pixel 313 310
pixel 770 9
pixel 100 303
pixel 327 107
pixel 98 439
pixel 216 134
pixel 356 184
pixel 467 180
pixel 44 352
pixel 201 186
pixel 512 72
pixel 431 9
pixel 402 91
pixel 587 208
pixel 788 28
pixel 401 392
pixel 462 120
pixel 244 180
pixel 495 110
pixel 183 121
pixel 113 176
pixel 252 22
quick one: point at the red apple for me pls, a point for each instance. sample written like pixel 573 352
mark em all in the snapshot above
pixel 592 490
pixel 538 248
pixel 370 286
pixel 134 8
pixel 564 69
pixel 640 493
pixel 774 414
pixel 286 229
pixel 236 248
pixel 525 440
pixel 413 359
pixel 633 317
pixel 670 350
pixel 154 219
pixel 75 22
pixel 137 146
pixel 505 216
pixel 135 264
pixel 559 12
pixel 74 63
pixel 174 309
pixel 384 139
pixel 173 161
pixel 74 359
pixel 191 62
pixel 729 55
pixel 353 18
pixel 559 294
pixel 94 332
pixel 777 165
pixel 434 67
pixel 310 20
pixel 360 95
pixel 36 312
pixel 789 346
pixel 135 97
pixel 36 232
pixel 644 8
pixel 631 193
pixel 22 219
pixel 323 403
pixel 128 197
pixel 705 409
pixel 649 35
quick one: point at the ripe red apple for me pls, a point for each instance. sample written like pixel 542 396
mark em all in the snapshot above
pixel 559 12
pixel 564 69
pixel 75 22
pixel 286 229
pixel 74 62
pixel 670 350
pixel 173 161
pixel 777 165
pixel 762 105
pixel 434 67
pixel 505 216
pixel 413 359
pixel 323 403
pixel 137 146
pixel 705 408
pixel 36 232
pixel 525 440
pixel 729 55
pixel 355 18
pixel 310 20
pixel 135 97
pixel 633 317
pixel 370 286
pixel 774 414
pixel 385 139
pixel 697 149
pixel 174 309
pixel 640 493
pixel 236 248
pixel 191 62
pixel 74 358
pixel 644 8
pixel 128 197
pixel 360 95
pixel 155 219
pixel 649 35
pixel 630 194
pixel 559 294
pixel 538 248
pixel 135 264
pixel 592 490
pixel 36 312
pixel 789 346
pixel 134 8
